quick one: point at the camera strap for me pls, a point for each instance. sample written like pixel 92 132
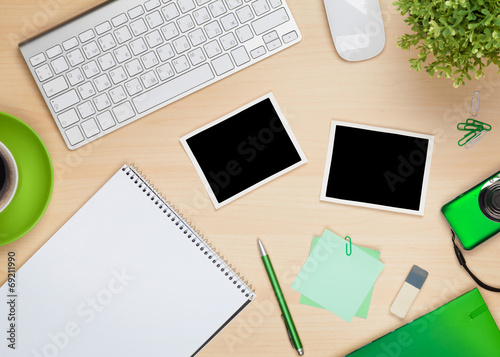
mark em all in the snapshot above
pixel 461 260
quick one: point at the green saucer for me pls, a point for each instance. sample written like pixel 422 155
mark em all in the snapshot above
pixel 36 179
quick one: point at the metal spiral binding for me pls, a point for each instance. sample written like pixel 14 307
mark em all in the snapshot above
pixel 163 204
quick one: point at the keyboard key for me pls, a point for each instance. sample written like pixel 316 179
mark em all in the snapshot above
pixel 133 86
pixel 37 59
pixel 75 57
pixel 229 21
pixel 90 128
pixel 102 102
pixel 55 86
pixel 166 52
pixel 197 37
pixel 106 62
pixel 90 69
pixel 43 72
pixel 64 101
pixel 119 20
pixel 105 120
pixel 69 44
pixel 138 27
pixel 170 11
pixel 181 44
pixel 170 31
pixel 123 112
pixel 138 46
pixel 107 42
pixel 91 50
pixel 102 83
pixel 233 4
pixel 289 37
pixel 222 64
pixel 171 89
pixel 273 45
pixel 59 65
pixel 165 71
pixel 240 56
pixel 217 8
pixel 118 75
pixel 275 3
pixel 151 4
pixel 196 56
pixel 213 29
pixel 260 7
pixel 185 23
pixel 270 21
pixel 122 54
pixel 117 94
pixel 86 90
pixel 149 79
pixel 245 14
pixel 154 19
pixel 201 16
pixel 54 51
pixel 123 34
pixel 133 67
pixel 75 76
pixel 74 135
pixel 86 36
pixel 271 36
pixel 135 12
pixel 244 33
pixel 154 38
pixel 68 118
pixel 228 41
pixel 86 109
pixel 102 28
pixel 149 60
pixel 212 48
pixel 186 5
pixel 259 51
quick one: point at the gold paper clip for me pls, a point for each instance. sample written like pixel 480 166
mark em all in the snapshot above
pixel 474 108
pixel 348 247
pixel 475 139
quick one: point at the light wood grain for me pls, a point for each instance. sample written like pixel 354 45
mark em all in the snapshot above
pixel 313 86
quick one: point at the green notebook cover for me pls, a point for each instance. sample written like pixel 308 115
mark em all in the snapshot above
pixel 463 327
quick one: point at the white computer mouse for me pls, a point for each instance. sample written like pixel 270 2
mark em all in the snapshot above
pixel 357 28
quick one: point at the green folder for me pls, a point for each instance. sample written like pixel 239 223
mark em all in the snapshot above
pixel 463 327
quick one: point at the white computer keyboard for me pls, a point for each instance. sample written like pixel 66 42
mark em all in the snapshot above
pixel 127 58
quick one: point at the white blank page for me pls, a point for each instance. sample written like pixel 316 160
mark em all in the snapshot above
pixel 120 278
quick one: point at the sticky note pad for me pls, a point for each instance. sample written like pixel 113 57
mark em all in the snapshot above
pixel 363 309
pixel 336 281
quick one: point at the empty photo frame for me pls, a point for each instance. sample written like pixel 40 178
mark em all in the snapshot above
pixel 378 168
pixel 243 150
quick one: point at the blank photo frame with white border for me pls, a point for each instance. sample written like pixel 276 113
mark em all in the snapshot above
pixel 378 168
pixel 243 150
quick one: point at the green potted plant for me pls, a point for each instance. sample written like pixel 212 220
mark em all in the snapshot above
pixel 454 38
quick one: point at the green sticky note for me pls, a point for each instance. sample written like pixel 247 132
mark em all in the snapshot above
pixel 363 309
pixel 334 280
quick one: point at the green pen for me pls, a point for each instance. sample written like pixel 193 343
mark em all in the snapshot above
pixel 286 316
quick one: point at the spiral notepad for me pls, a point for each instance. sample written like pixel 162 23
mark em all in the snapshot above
pixel 125 276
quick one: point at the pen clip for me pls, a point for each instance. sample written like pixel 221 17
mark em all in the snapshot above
pixel 288 332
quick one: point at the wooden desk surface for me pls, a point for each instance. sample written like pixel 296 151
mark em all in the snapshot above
pixel 313 85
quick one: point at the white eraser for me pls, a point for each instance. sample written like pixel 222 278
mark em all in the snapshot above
pixel 409 291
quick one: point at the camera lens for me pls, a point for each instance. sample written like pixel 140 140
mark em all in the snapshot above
pixel 489 202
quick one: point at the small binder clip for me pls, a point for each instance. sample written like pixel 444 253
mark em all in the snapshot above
pixel 348 247
pixel 474 108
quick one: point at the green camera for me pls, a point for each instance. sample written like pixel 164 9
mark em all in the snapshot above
pixel 474 216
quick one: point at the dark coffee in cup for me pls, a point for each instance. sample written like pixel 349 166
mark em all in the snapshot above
pixel 8 176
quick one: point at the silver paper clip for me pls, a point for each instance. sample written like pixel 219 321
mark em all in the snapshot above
pixel 474 108
pixel 475 139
